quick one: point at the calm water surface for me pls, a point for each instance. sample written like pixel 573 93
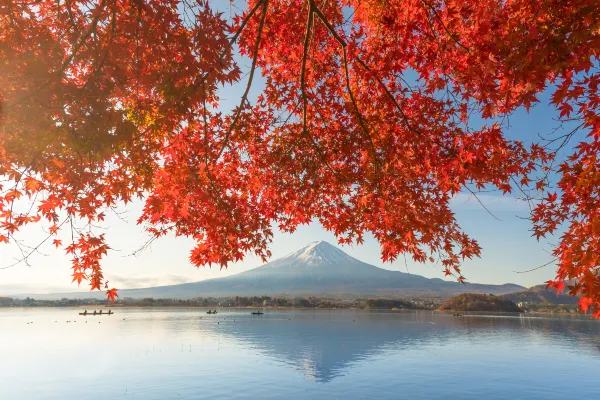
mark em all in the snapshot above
pixel 187 354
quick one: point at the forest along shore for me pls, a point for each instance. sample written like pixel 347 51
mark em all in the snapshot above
pixel 282 303
pixel 234 302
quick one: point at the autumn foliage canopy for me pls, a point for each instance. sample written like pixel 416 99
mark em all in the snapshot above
pixel 372 115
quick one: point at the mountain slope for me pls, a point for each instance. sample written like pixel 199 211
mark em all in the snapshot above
pixel 541 294
pixel 317 269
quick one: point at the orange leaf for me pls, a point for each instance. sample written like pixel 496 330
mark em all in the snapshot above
pixel 111 294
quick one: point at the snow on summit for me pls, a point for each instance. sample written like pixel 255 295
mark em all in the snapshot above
pixel 320 253
pixel 318 268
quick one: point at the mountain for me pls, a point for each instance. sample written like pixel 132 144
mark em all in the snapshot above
pixel 316 269
pixel 541 294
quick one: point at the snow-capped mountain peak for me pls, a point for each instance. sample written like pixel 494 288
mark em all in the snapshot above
pixel 320 253
pixel 316 269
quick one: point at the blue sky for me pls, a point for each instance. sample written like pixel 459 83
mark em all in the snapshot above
pixel 507 243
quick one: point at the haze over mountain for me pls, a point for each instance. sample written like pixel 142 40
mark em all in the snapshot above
pixel 318 268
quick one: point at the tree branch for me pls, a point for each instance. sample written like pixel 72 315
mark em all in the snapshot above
pixel 309 24
pixel 86 35
pixel 234 38
pixel 536 268
pixel 452 36
pixel 250 78
pixel 359 115
pixel 479 201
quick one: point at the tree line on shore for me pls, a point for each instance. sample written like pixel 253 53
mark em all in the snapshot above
pixel 462 302
pixel 237 301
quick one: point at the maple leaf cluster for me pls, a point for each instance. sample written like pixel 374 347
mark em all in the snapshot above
pixel 364 123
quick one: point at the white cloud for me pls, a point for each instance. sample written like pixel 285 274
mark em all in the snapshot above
pixel 132 282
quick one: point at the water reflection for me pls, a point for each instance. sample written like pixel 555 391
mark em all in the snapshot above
pixel 171 353
pixel 323 345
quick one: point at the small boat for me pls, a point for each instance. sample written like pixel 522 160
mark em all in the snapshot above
pixel 257 313
pixel 457 315
pixel 96 313
pixel 211 312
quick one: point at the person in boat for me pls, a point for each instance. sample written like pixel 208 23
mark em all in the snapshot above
pixel 94 312
pixel 85 312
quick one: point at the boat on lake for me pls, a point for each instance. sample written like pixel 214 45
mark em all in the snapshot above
pixel 257 313
pixel 85 313
pixel 211 312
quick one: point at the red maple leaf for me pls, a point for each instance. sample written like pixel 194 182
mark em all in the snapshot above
pixel 585 303
pixel 111 294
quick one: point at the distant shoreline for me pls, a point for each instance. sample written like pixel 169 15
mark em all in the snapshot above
pixel 450 313
pixel 266 302
pixel 218 308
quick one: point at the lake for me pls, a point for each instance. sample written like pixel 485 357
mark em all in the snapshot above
pixel 294 354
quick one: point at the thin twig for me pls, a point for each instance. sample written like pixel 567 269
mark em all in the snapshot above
pixel 452 36
pixel 482 205
pixel 536 268
pixel 25 257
